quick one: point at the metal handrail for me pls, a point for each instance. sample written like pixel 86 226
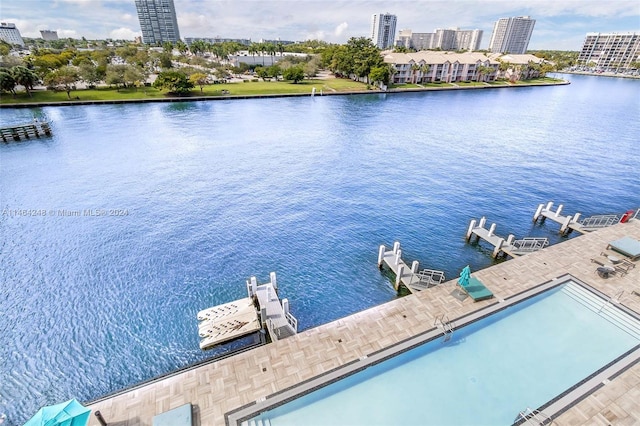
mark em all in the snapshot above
pixel 600 221
pixel 537 415
pixel 293 321
pixel 530 244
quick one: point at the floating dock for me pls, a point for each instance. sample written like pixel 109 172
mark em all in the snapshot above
pixel 573 223
pixel 510 246
pixel 26 131
pixel 411 278
pixel 261 311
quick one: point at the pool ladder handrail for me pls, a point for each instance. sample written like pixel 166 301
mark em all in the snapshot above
pixel 445 325
pixel 538 417
pixel 611 300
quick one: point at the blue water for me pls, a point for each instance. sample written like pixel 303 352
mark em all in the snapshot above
pixel 214 192
pixel 485 375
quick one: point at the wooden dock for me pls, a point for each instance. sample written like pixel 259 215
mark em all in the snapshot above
pixel 574 223
pixel 26 131
pixel 261 310
pixel 505 247
pixel 411 278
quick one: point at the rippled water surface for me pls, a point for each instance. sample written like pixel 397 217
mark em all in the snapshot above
pixel 209 193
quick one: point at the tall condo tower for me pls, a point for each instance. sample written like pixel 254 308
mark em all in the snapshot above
pixel 511 35
pixel 158 21
pixel 383 29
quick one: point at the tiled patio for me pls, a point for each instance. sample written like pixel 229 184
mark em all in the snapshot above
pixel 222 386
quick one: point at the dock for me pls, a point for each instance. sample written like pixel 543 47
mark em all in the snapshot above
pixel 261 311
pixel 503 247
pixel 574 223
pixel 411 278
pixel 25 131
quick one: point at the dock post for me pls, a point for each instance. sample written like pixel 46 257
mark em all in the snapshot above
pixel 272 278
pixel 414 267
pixel 472 225
pixel 559 210
pixel 498 248
pixel 483 221
pixel 536 215
pixel 510 239
pixel 253 286
pixel 576 217
pixel 491 229
pixel 381 252
pixel 396 247
pixel 398 257
pixel 399 276
pixel 285 306
pixel 565 225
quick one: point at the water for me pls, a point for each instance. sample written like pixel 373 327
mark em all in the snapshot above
pixel 487 373
pixel 308 187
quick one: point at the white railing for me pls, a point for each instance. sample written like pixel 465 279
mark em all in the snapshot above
pixel 293 321
pixel 530 244
pixel 535 417
pixel 600 221
pixel 430 277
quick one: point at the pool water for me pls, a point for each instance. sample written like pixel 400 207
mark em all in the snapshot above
pixel 490 370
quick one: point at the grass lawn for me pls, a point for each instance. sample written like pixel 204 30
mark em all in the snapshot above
pixel 245 89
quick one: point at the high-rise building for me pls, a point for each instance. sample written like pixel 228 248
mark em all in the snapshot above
pixel 158 21
pixel 450 39
pixel 49 35
pixel 610 50
pixel 383 29
pixel 511 35
pixel 10 34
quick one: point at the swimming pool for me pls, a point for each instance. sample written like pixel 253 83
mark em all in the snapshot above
pixel 523 355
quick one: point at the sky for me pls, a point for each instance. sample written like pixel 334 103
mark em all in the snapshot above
pixel 560 24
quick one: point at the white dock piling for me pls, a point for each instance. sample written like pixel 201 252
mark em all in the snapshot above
pixel 396 246
pixel 492 229
pixel 470 229
pixel 396 260
pixel 381 252
pixel 272 279
pixel 399 275
pixel 414 267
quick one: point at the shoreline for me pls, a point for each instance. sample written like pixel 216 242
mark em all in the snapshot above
pixel 269 96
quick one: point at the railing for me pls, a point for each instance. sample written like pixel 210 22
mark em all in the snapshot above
pixel 600 221
pixel 443 323
pixel 293 321
pixel 430 277
pixel 530 244
pixel 535 417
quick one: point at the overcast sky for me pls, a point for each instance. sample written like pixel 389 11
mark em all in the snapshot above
pixel 560 24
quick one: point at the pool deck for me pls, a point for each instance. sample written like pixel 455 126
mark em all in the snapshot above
pixel 219 387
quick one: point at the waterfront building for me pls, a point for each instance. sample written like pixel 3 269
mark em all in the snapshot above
pixel 158 21
pixel 447 67
pixel 214 40
pixel 610 51
pixel 511 35
pixel 49 35
pixel 10 34
pixel 443 39
pixel 383 29
pixel 518 67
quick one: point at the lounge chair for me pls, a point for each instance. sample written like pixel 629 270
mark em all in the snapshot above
pixel 476 290
pixel 627 246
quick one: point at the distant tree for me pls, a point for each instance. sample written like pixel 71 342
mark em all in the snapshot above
pixel 24 77
pixel 401 49
pixel 64 78
pixel 5 48
pixel 380 74
pixel 274 71
pixel 295 73
pixel 197 47
pixel 133 76
pixel 262 72
pixel 174 82
pixel 198 79
pixel 7 81
pixel 89 73
pixel 115 75
pixel 167 47
pixel 424 70
pixel 182 47
pixel 165 61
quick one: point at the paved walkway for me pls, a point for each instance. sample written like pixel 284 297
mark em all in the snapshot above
pixel 219 387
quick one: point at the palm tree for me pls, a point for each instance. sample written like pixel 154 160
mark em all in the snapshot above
pixel 414 68
pixel 7 81
pixel 24 77
pixel 424 69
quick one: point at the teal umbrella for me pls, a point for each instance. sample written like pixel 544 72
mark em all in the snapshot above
pixel 465 274
pixel 70 413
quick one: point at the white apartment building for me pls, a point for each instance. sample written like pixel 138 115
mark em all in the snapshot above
pixel 49 35
pixel 383 29
pixel 446 67
pixel 444 39
pixel 10 34
pixel 158 21
pixel 511 35
pixel 610 51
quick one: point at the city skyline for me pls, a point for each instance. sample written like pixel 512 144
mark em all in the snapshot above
pixel 560 25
